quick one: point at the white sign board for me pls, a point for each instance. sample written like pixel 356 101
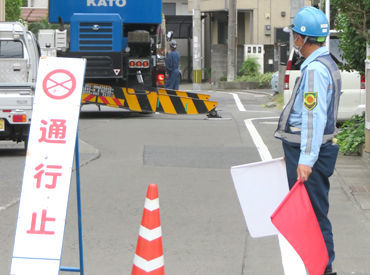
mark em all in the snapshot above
pixel 48 168
pixel 260 186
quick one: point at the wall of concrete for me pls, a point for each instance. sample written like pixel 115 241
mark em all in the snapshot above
pixel 275 14
pixel 218 62
pixel 38 3
pixel 210 5
pixel 182 7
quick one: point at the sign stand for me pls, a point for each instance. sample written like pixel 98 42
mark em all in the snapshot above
pixel 79 216
pixel 48 169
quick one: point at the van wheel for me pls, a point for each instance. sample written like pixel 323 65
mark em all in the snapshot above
pixel 25 144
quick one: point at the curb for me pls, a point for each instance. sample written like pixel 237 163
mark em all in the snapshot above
pixel 365 156
pixel 88 153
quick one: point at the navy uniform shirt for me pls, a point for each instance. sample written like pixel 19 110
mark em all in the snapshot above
pixel 172 62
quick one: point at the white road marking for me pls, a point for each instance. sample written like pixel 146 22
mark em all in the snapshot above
pixel 256 95
pixel 292 263
pixel 239 104
pixel 270 122
pixel 257 139
pixel 10 204
pixel 255 111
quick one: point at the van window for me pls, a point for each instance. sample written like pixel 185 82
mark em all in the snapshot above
pixel 11 49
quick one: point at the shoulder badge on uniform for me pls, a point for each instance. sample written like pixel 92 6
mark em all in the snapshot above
pixel 310 100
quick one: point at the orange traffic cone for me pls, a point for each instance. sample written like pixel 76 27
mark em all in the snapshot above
pixel 149 251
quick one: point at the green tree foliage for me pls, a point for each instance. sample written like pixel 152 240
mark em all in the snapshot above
pixel 352 44
pixel 357 13
pixel 43 24
pixel 249 72
pixel 353 20
pixel 249 67
pixel 13 10
pixel 352 135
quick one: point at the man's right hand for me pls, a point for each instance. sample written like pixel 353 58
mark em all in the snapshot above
pixel 303 172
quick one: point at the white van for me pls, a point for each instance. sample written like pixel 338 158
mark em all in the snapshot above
pixel 352 100
pixel 19 57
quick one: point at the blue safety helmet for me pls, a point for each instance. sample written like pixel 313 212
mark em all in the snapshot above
pixel 311 22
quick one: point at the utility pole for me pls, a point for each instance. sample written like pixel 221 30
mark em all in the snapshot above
pixel 327 12
pixel 295 6
pixel 231 41
pixel 2 10
pixel 367 112
pixel 197 49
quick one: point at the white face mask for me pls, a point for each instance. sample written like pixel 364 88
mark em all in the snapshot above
pixel 298 48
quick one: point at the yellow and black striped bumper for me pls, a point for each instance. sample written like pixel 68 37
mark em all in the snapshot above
pixel 162 100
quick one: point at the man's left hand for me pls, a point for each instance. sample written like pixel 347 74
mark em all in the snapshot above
pixel 303 172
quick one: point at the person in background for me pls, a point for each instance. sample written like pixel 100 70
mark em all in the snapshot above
pixel 172 80
pixel 307 124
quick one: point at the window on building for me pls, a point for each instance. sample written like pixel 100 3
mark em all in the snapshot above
pixel 11 49
pixel 169 8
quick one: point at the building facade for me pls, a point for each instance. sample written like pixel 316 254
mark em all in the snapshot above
pixel 38 3
pixel 257 19
pixel 259 23
pixel 178 19
pixel 36 10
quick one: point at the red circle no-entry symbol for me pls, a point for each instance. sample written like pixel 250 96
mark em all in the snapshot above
pixel 59 84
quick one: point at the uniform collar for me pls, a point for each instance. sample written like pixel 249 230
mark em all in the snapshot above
pixel 319 52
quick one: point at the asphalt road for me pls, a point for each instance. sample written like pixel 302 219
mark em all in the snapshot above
pixel 189 157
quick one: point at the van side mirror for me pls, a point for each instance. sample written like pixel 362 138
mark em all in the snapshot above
pixel 169 35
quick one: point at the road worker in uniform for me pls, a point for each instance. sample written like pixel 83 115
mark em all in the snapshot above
pixel 307 124
pixel 172 80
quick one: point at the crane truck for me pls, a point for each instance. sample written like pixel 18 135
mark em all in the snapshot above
pixel 119 39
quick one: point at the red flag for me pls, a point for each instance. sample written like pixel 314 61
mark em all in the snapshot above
pixel 297 222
